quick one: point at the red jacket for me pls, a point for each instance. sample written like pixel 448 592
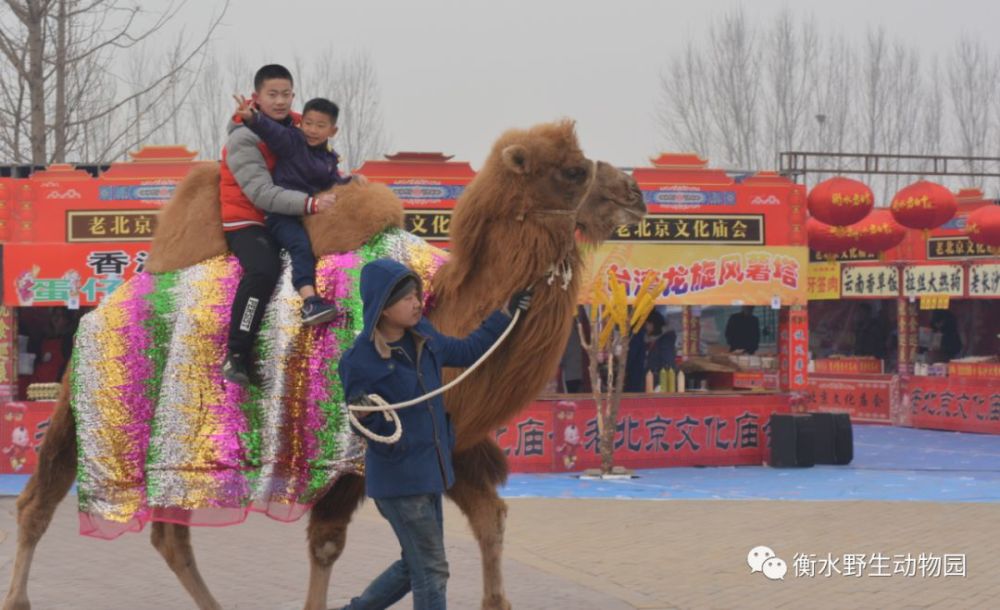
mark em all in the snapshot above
pixel 238 211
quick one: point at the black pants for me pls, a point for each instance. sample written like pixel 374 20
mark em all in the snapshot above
pixel 291 235
pixel 259 256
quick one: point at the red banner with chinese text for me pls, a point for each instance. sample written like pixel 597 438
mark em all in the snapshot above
pixel 974 369
pixel 653 432
pixel 849 366
pixel 793 350
pixel 946 403
pixel 8 347
pixel 865 398
pixel 68 275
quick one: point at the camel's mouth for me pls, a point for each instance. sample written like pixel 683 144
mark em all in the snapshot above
pixel 633 214
pixel 619 204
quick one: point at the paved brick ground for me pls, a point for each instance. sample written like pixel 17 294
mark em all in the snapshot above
pixel 573 554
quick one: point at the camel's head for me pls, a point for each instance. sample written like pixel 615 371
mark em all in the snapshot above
pixel 541 172
pixel 540 175
pixel 614 200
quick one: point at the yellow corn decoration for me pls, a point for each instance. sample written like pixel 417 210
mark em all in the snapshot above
pixel 638 317
pixel 612 310
pixel 606 335
pixel 621 308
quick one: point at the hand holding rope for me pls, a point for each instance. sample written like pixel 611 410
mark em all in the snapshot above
pixel 374 403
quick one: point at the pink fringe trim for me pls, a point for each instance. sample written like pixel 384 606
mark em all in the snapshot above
pixel 98 527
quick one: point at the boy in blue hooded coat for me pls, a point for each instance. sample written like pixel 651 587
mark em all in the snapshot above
pixel 399 356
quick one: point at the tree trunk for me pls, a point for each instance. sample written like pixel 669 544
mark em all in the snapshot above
pixel 61 119
pixel 608 414
pixel 36 79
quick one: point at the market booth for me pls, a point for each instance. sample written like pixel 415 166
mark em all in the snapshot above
pixel 71 238
pixel 910 338
pixel 719 243
pixel 68 240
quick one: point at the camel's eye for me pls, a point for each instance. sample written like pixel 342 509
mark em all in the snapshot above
pixel 574 173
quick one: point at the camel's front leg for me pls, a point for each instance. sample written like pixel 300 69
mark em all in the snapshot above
pixel 174 544
pixel 37 503
pixel 477 473
pixel 328 523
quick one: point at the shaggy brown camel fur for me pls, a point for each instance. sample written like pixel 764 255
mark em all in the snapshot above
pixel 518 221
pixel 189 228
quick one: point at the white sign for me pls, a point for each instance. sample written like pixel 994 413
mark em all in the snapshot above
pixel 984 280
pixel 874 281
pixel 933 279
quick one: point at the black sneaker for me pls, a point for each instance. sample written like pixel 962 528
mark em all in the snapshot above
pixel 317 311
pixel 234 369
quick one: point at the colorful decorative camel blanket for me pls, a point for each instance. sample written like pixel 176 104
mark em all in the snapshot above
pixel 162 437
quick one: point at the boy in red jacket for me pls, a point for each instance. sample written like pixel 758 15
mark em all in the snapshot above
pixel 246 192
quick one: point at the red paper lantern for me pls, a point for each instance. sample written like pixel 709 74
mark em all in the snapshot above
pixel 879 232
pixel 924 205
pixel 983 226
pixel 840 201
pixel 828 239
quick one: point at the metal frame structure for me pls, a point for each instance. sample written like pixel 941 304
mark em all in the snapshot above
pixel 795 164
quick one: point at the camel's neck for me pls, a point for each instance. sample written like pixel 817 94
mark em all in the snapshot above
pixel 509 257
pixel 467 290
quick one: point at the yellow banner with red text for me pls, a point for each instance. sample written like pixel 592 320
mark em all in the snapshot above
pixel 705 275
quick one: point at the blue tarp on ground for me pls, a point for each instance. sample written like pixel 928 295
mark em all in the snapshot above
pixel 889 464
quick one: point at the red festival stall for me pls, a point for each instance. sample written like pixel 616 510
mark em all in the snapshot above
pixel 715 240
pixel 718 240
pixel 69 239
pixel 883 336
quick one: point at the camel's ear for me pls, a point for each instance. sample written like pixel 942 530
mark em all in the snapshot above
pixel 515 157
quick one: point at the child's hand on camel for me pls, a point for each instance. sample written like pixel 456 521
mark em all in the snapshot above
pixel 243 108
pixel 325 201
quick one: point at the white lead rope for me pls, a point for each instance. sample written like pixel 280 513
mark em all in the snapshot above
pixel 562 271
pixel 389 410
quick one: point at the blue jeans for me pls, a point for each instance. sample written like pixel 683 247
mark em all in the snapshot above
pixel 423 568
pixel 291 235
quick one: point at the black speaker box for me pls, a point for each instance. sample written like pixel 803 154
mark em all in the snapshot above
pixel 793 440
pixel 825 449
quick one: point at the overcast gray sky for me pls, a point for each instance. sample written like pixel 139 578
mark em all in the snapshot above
pixel 456 73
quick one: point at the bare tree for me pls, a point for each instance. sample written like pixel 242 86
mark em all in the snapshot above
pixel 747 91
pixel 835 102
pixel 932 120
pixel 874 71
pixel 791 52
pixel 973 79
pixel 351 82
pixel 206 112
pixel 684 102
pixel 734 69
pixel 64 57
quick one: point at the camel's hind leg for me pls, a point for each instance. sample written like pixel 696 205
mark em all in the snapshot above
pixel 478 471
pixel 46 487
pixel 174 544
pixel 328 533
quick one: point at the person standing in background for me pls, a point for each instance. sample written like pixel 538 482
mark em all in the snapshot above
pixel 743 331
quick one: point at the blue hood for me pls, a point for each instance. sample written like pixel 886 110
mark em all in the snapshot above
pixel 378 278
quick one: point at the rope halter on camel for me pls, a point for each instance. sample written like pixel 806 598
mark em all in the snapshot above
pixel 573 212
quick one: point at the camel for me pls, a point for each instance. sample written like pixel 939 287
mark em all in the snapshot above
pixel 520 222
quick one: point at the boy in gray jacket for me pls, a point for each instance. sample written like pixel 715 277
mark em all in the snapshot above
pixel 246 192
